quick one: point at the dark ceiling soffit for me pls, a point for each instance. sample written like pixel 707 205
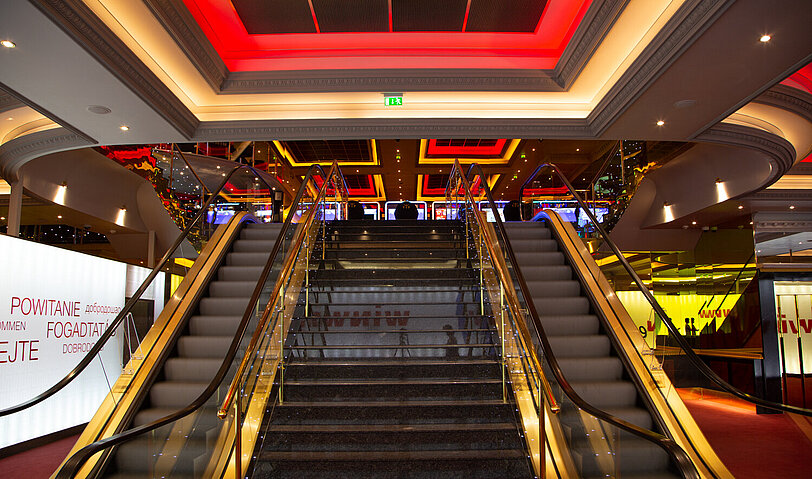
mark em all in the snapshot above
pixel 391 128
pixel 599 19
pixel 787 98
pixel 17 152
pixel 46 113
pixel 692 18
pixel 181 25
pixel 81 24
pixel 389 80
pixel 775 83
pixel 780 151
pixel 9 101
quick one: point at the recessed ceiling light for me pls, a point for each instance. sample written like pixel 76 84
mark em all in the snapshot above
pixel 2 218
pixel 577 149
pixel 10 118
pixel 59 217
pixel 741 207
pixel 124 128
pixel 8 44
pixel 765 38
pixel 693 222
pixel 660 123
pixel 792 207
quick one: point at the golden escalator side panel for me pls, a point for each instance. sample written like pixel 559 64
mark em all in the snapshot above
pixel 662 394
pixel 127 393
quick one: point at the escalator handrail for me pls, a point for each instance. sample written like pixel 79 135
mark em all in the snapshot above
pixel 689 351
pixel 674 451
pixel 256 338
pixel 108 333
pixel 78 459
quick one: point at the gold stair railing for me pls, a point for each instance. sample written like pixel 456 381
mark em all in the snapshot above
pixel 263 362
pixel 521 364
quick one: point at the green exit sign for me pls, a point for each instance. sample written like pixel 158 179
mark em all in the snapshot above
pixel 393 100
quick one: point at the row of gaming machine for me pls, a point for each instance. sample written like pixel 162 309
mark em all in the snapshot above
pixel 438 210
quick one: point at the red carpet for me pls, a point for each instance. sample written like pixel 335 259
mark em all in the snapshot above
pixel 37 463
pixel 752 445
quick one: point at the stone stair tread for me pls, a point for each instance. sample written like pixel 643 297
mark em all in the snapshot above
pixel 383 428
pixel 389 455
pixel 389 382
pixel 406 403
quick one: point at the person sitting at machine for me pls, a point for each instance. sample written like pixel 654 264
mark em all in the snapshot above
pixel 406 211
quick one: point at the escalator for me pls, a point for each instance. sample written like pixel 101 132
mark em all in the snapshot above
pixel 585 352
pixel 196 356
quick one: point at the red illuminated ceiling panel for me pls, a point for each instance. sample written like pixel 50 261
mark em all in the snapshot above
pixel 342 49
pixel 802 79
pixel 465 148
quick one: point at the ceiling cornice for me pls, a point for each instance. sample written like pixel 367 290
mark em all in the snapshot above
pixel 181 25
pixel 17 152
pixel 84 27
pixel 390 81
pixel 787 98
pixel 599 19
pixel 391 128
pixel 9 102
pixel 780 151
pixel 682 30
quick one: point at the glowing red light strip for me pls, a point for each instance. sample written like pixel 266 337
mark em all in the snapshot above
pixel 313 12
pixel 390 16
pixel 243 52
pixel 465 20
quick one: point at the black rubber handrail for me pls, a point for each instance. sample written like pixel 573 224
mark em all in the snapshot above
pixel 675 452
pixel 78 459
pixel 682 343
pixel 108 333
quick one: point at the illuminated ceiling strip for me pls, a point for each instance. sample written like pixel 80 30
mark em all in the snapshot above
pixel 491 180
pixel 501 160
pixel 288 156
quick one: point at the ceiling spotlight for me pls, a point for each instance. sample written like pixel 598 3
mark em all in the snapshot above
pixel 8 44
pixel 741 207
pixel 124 128
pixel 693 222
pixel 660 123
pixel 792 207
pixel 763 39
pixel 59 217
pixel 577 149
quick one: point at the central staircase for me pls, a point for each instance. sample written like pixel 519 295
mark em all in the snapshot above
pixel 391 367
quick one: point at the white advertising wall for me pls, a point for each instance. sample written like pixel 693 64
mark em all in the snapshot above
pixel 54 305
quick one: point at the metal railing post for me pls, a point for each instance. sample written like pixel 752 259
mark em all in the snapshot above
pixel 237 439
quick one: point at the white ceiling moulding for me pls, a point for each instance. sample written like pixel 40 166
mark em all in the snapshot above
pixel 17 152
